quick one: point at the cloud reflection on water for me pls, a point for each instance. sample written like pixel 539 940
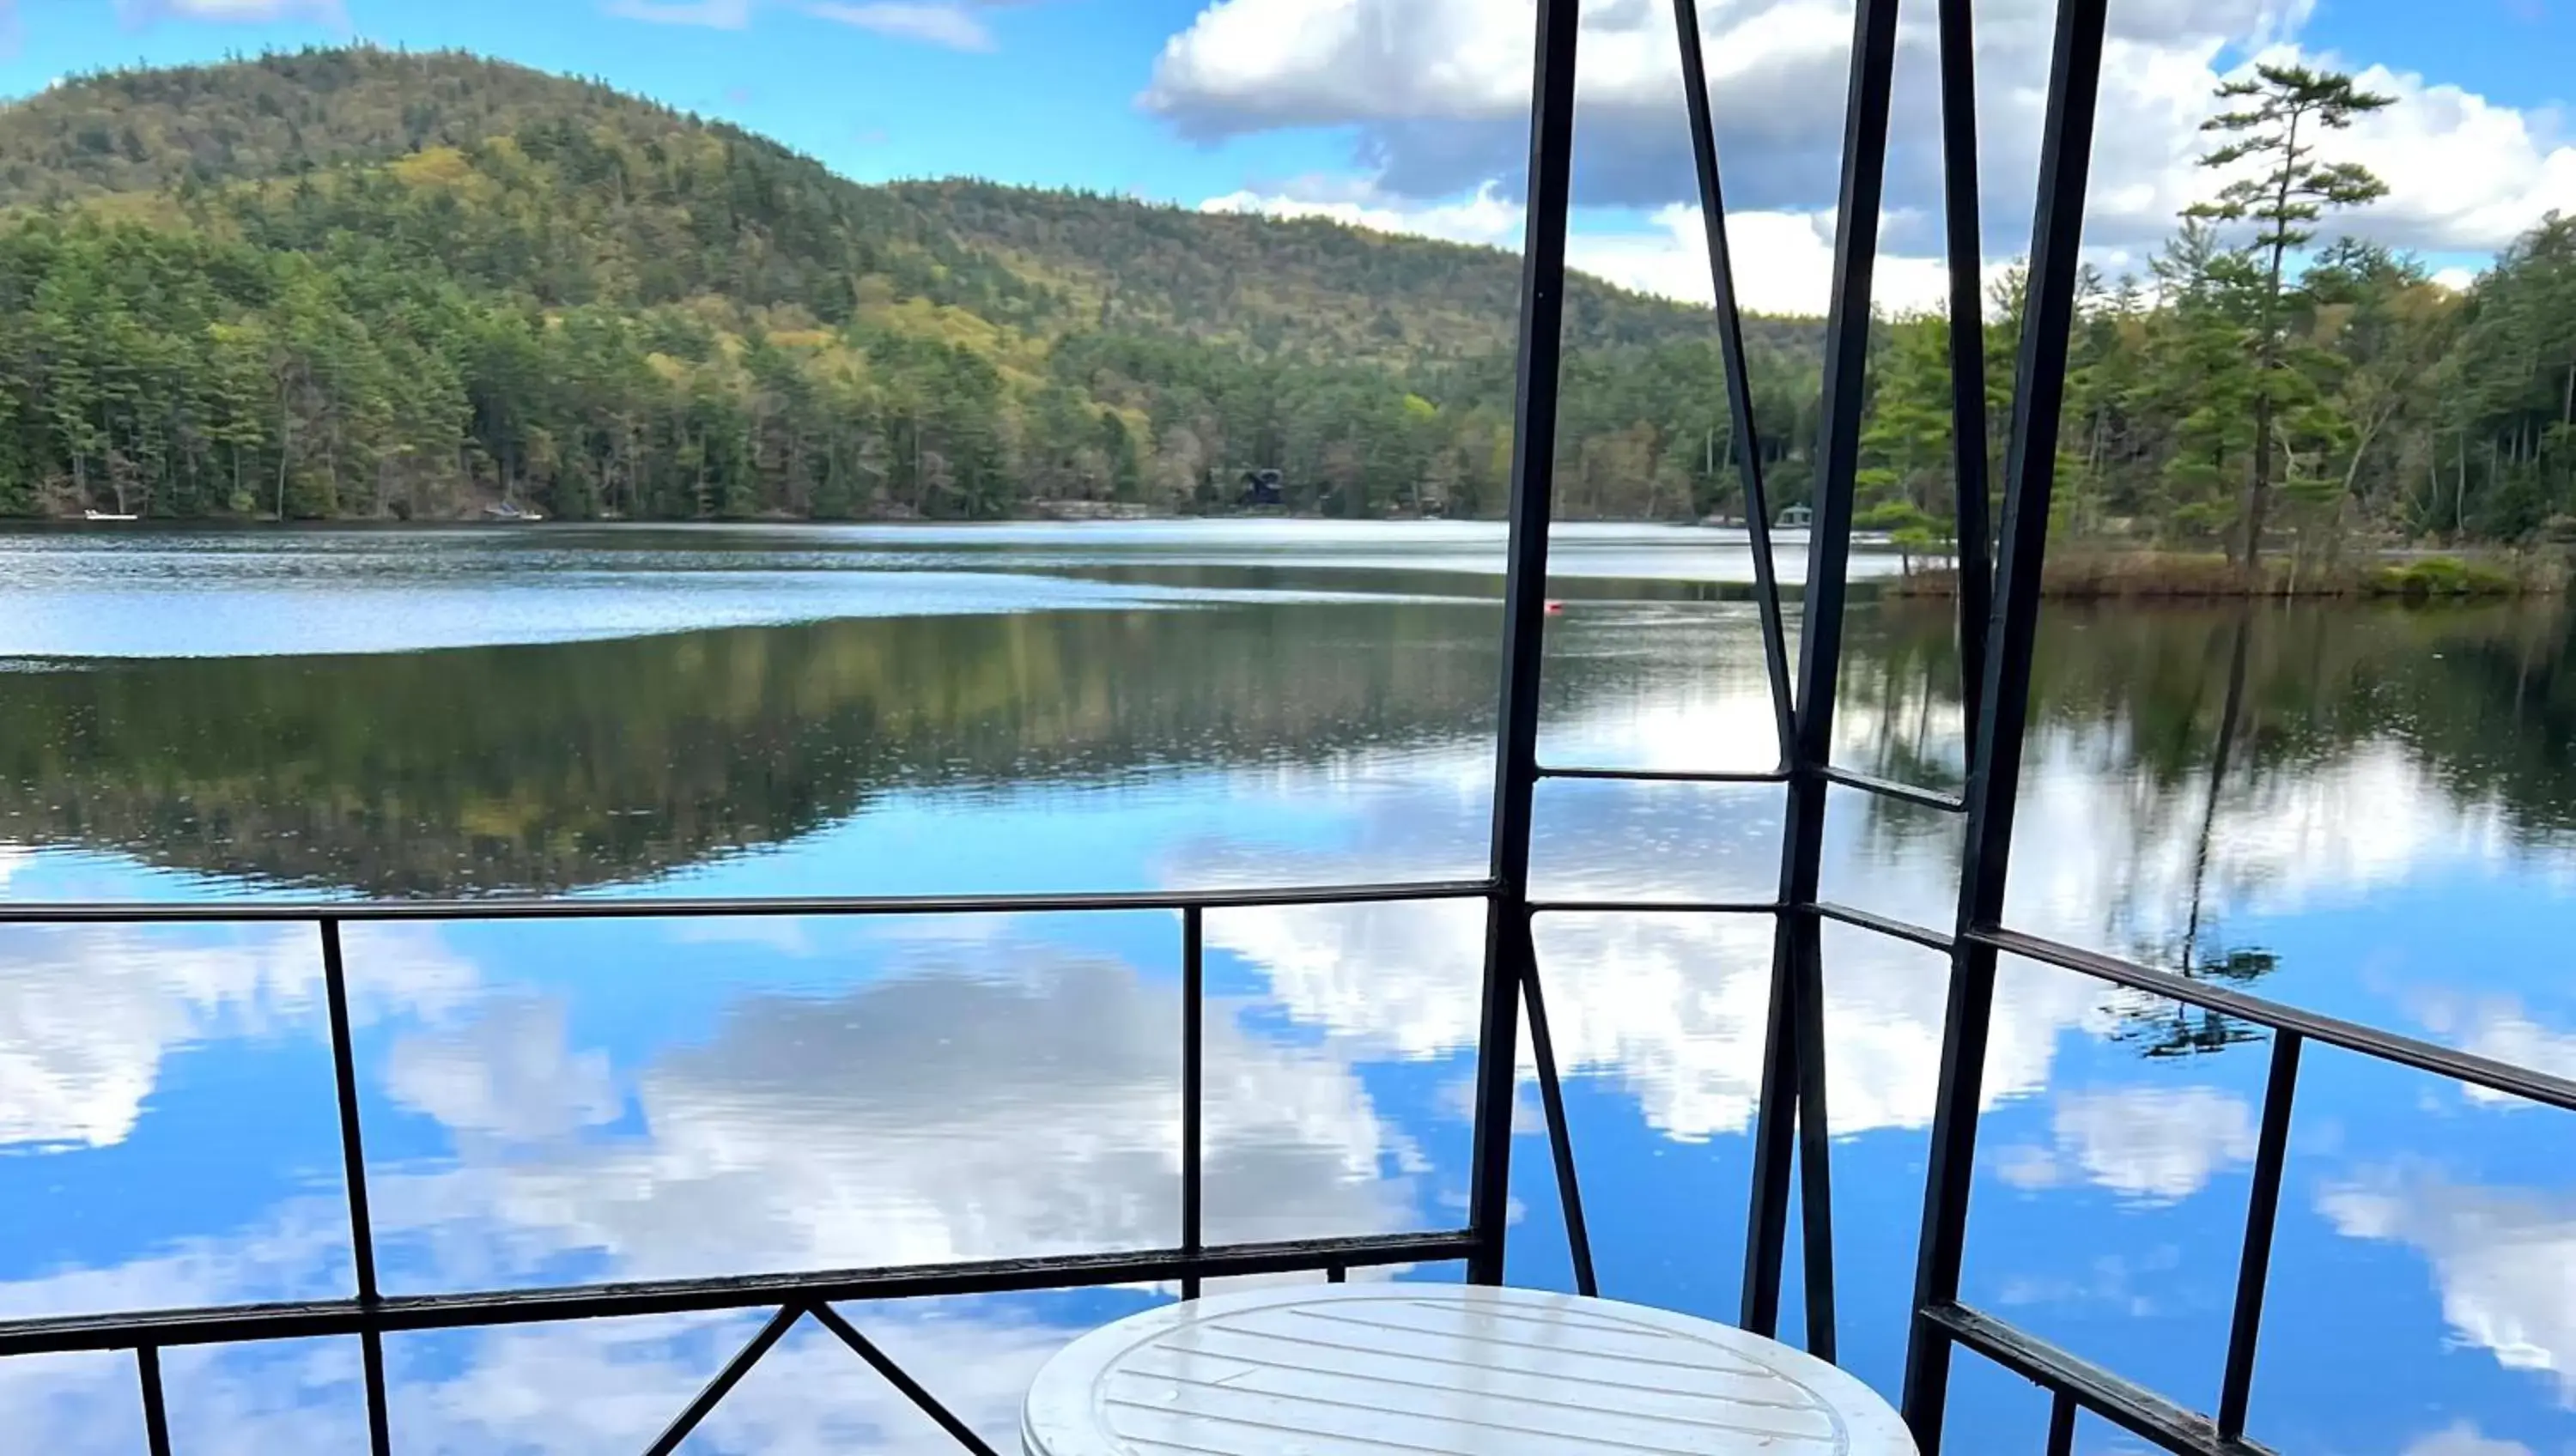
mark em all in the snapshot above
pixel 930 1115
pixel 2150 1144
pixel 88 1015
pixel 2503 1259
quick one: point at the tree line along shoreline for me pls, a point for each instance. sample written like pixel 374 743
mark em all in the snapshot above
pixel 539 295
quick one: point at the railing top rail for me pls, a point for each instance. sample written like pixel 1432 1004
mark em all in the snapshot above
pixel 2131 1406
pixel 1903 793
pixel 2370 1041
pixel 1670 775
pixel 138 912
pixel 2390 1046
pixel 220 1324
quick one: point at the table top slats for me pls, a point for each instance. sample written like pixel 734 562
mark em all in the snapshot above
pixel 1570 1380
pixel 1629 1347
pixel 1406 1369
pixel 1351 1409
pixel 1575 1362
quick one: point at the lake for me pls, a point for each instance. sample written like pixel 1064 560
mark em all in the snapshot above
pixel 2365 809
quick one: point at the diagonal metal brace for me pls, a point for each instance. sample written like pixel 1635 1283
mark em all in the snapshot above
pixel 896 1376
pixel 726 1379
pixel 1560 1135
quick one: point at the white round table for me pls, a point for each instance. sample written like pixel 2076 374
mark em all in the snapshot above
pixel 1364 1370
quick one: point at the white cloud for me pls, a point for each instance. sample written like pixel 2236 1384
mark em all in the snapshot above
pixel 2497 1028
pixel 2151 1144
pixel 88 1014
pixel 1436 91
pixel 1439 89
pixel 1484 218
pixel 2503 1259
pixel 2463 173
pixel 2116 870
pixel 507 1073
pixel 1783 260
pixel 1669 1007
pixel 935 1115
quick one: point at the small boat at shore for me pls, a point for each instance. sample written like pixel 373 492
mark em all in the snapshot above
pixel 108 516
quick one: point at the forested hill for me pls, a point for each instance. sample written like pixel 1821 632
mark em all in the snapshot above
pixel 354 282
pixel 1298 286
pixel 155 130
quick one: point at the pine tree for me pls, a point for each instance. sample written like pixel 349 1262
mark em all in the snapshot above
pixel 2291 187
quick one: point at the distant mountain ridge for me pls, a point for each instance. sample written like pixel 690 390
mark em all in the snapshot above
pixel 359 281
pixel 283 115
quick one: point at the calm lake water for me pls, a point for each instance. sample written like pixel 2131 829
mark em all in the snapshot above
pixel 752 711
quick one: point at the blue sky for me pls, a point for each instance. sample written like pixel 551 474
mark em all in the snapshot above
pixel 1404 113
pixel 1050 98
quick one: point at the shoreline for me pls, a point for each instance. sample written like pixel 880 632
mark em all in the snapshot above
pixel 2076 571
pixel 2083 573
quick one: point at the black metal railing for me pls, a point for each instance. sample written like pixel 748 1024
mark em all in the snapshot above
pixel 2073 1382
pixel 1999 583
pixel 1998 598
pixel 370 1314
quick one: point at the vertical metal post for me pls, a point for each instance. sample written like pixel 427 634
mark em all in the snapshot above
pixel 1994 777
pixel 1967 348
pixel 1793 1079
pixel 1507 938
pixel 371 1353
pixel 1193 1091
pixel 353 1169
pixel 156 1408
pixel 1739 382
pixel 2262 1211
pixel 2061 1425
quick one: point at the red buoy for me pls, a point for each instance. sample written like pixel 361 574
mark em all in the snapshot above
pixel 1554 607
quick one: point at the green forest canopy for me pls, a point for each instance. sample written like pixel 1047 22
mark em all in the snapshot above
pixel 354 282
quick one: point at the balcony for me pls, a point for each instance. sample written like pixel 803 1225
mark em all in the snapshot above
pixel 1792 1148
